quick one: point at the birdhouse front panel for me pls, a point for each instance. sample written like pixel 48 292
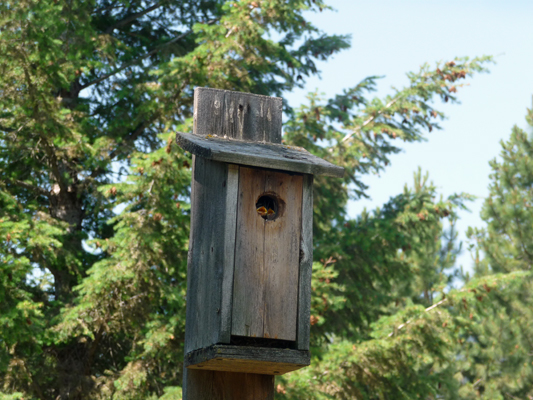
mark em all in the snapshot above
pixel 267 249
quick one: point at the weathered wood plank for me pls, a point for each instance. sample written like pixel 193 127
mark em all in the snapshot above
pixel 237 115
pixel 210 265
pixel 248 293
pixel 257 360
pixel 281 262
pixel 306 266
pixel 232 192
pixel 264 155
pixel 265 289
pixel 219 385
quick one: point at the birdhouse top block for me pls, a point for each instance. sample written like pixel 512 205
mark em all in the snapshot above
pixel 245 129
pixel 236 115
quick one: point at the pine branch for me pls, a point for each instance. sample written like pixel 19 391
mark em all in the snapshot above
pixel 127 142
pixel 426 310
pixel 102 9
pixel 34 384
pixel 138 60
pixel 32 188
pixel 132 17
pixel 133 136
pixel 92 350
pixel 54 165
pixel 522 246
pixel 369 120
pixel 6 129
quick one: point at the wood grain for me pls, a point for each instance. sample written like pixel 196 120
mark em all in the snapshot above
pixel 257 360
pixel 306 266
pixel 248 275
pixel 220 385
pixel 210 261
pixel 281 257
pixel 237 115
pixel 232 192
pixel 265 288
pixel 263 155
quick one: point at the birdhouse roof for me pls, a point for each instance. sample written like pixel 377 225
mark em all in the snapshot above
pixel 257 154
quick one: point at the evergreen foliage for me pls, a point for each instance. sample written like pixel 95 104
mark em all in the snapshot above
pixel 94 208
pixel 501 351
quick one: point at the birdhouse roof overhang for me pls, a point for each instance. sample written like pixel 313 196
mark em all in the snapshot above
pixel 254 154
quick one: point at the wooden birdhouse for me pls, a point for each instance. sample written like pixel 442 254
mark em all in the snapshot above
pixel 250 250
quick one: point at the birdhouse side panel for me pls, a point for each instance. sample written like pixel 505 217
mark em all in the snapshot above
pixel 211 253
pixel 265 289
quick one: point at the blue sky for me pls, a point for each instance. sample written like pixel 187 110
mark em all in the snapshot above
pixel 393 37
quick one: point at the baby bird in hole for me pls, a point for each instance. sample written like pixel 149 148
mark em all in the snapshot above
pixel 266 207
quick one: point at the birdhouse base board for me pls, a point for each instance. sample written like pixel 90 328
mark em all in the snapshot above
pixel 254 360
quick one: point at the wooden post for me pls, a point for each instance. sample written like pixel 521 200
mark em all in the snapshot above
pixel 215 385
pixel 238 116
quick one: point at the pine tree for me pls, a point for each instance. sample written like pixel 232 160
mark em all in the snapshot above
pixel 93 302
pixel 471 342
pixel 94 196
pixel 500 359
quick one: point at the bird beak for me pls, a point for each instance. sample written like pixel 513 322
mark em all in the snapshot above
pixel 262 211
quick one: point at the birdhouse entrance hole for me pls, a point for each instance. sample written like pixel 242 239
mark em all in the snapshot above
pixel 269 206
